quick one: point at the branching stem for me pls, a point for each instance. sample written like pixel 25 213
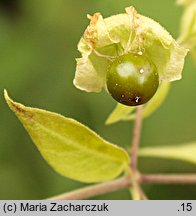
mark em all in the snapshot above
pixel 98 189
pixel 125 182
pixel 142 193
pixel 132 181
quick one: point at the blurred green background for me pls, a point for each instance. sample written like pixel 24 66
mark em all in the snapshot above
pixel 38 47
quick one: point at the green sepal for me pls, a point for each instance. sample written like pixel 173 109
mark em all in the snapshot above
pixel 106 38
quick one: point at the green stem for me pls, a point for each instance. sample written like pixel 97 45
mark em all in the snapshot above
pixel 141 192
pixel 134 193
pixel 137 192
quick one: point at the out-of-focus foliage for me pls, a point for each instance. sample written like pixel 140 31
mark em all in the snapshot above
pixel 37 62
pixel 185 152
pixel 188 29
pixel 184 2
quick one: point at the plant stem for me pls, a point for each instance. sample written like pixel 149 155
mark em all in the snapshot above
pixel 136 138
pixel 142 194
pixel 137 192
pixel 98 189
pixel 168 179
pixel 134 193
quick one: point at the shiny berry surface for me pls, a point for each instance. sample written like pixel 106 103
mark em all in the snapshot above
pixel 132 79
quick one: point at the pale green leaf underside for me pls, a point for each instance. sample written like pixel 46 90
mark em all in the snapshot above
pixel 185 152
pixel 71 148
pixel 157 100
pixel 154 103
pixel 119 113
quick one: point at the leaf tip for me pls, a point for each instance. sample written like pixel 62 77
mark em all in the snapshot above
pixel 14 106
pixel 108 121
pixel 7 98
pixel 111 119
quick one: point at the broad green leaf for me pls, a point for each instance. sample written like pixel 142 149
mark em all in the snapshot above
pixel 185 152
pixel 71 148
pixel 119 113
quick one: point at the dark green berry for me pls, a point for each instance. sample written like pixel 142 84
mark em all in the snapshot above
pixel 132 79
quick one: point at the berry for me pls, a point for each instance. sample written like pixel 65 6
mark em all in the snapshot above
pixel 132 79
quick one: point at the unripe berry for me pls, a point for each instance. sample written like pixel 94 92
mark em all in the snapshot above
pixel 132 79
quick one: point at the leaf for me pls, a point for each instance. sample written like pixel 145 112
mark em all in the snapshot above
pixel 71 148
pixel 188 27
pixel 119 113
pixel 157 100
pixel 185 152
